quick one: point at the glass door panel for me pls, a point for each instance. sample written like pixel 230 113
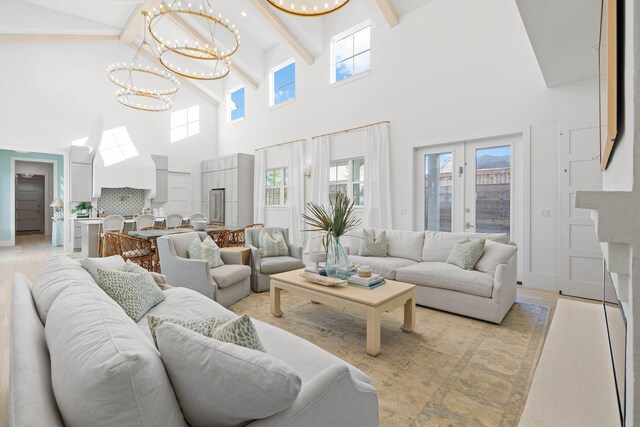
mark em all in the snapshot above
pixel 438 191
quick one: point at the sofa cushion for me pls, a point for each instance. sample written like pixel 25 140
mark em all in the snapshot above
pixel 272 244
pixel 405 244
pixel 103 370
pixel 224 384
pixel 372 244
pixel 58 274
pixel 466 253
pixel 115 262
pixel 447 276
pixel 280 264
pixel 135 293
pixel 228 274
pixel 438 244
pixel 384 266
pixel 494 255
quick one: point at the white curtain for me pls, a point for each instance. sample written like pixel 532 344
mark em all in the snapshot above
pixel 319 183
pixel 295 191
pixel 259 186
pixel 377 176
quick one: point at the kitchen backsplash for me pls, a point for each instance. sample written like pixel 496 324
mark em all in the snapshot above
pixel 121 201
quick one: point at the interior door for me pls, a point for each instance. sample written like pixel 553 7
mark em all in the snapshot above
pixel 29 203
pixel 581 265
pixel 488 206
pixel 180 198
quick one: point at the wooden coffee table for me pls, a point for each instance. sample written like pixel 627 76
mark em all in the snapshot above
pixel 371 302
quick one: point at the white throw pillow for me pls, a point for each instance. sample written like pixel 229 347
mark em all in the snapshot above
pixel 104 370
pixel 221 383
pixel 115 262
pixel 494 255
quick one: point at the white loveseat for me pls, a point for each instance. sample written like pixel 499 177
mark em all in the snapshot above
pixel 78 359
pixel 485 293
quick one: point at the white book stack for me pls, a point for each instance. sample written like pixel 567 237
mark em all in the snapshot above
pixel 371 282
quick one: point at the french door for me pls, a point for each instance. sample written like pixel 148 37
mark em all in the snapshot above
pixel 466 186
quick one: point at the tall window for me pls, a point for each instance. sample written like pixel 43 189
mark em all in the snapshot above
pixel 276 188
pixel 185 123
pixel 282 83
pixel 347 176
pixel 235 104
pixel 116 146
pixel 351 53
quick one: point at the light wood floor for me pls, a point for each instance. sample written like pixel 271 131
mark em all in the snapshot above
pixel 31 252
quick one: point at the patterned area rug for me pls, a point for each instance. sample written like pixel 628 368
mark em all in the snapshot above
pixel 450 371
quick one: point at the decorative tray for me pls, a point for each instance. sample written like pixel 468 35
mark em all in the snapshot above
pixel 322 280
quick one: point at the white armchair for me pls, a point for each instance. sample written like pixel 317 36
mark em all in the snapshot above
pixel 263 267
pixel 226 284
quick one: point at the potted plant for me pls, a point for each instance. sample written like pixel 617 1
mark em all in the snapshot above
pixel 82 208
pixel 333 223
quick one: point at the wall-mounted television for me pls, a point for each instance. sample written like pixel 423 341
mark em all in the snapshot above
pixel 608 79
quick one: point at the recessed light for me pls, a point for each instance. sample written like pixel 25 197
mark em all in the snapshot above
pixel 243 13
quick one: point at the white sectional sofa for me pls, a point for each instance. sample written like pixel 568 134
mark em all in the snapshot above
pixel 485 293
pixel 78 359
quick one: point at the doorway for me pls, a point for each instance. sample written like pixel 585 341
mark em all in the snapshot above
pixel 180 198
pixel 29 203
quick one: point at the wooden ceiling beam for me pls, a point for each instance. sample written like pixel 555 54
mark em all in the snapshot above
pixel 195 86
pixel 389 12
pixel 269 14
pixel 192 32
pixel 136 20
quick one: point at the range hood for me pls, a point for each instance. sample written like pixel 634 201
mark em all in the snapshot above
pixel 137 172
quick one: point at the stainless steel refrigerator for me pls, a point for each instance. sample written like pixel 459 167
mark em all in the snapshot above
pixel 216 205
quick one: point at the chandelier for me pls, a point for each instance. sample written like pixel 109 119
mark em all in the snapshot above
pixel 195 59
pixel 143 87
pixel 308 8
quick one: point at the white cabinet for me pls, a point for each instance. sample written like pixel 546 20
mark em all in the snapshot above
pixel 162 179
pixel 81 182
pixel 234 173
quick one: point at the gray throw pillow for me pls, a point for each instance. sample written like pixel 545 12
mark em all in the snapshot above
pixel 132 267
pixel 223 384
pixel 238 330
pixel 135 293
pixel 465 254
pixel 373 245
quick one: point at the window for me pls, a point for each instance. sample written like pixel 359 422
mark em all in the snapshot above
pixel 116 146
pixel 276 188
pixel 347 176
pixel 185 123
pixel 235 104
pixel 282 83
pixel 351 53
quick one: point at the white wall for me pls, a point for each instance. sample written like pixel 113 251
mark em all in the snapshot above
pixel 448 70
pixel 55 93
pixel 45 169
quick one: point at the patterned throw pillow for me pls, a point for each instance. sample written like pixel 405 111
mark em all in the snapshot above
pixel 206 250
pixel 272 244
pixel 239 331
pixel 202 326
pixel 132 267
pixel 372 245
pixel 465 254
pixel 135 293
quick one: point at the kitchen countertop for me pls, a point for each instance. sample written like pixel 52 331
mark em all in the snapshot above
pixel 96 220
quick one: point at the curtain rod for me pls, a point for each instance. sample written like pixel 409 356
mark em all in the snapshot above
pixel 326 134
pixel 351 129
pixel 278 145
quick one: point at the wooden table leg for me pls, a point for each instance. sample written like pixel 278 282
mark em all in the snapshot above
pixel 409 315
pixel 373 333
pixel 275 301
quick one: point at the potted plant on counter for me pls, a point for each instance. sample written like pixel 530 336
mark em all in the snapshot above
pixel 82 210
pixel 333 223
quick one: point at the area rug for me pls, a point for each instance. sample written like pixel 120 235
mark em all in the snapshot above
pixel 450 371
